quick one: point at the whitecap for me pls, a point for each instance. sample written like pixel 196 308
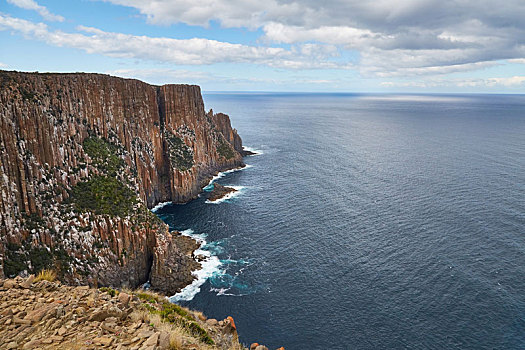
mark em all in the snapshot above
pixel 228 195
pixel 199 237
pixel 209 267
pixel 221 174
pixel 159 206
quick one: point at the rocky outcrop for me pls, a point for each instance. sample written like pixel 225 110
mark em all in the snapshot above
pixel 219 192
pixel 83 157
pixel 173 271
pixel 49 315
pixel 222 121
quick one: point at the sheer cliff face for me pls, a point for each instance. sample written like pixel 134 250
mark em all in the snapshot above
pixel 82 157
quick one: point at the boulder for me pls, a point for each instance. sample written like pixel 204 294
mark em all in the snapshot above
pixel 124 298
pixel 27 283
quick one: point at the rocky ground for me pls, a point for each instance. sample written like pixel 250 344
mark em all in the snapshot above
pixel 219 192
pixel 48 315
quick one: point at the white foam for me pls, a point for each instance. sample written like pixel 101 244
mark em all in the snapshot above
pixel 199 237
pixel 209 266
pixel 159 206
pixel 228 195
pixel 224 173
pixel 222 291
pixel 253 150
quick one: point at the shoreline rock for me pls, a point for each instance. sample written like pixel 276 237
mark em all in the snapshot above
pixel 246 153
pixel 219 192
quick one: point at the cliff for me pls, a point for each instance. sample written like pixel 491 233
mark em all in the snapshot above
pixel 83 157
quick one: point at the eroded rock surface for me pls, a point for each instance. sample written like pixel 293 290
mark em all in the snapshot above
pixel 49 315
pixel 83 157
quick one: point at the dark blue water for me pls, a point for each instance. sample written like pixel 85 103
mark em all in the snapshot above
pixel 370 222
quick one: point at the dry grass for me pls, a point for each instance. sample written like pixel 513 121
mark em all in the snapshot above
pixel 200 315
pixel 155 320
pixel 48 275
pixel 177 338
pixel 126 290
pixel 149 296
pixel 183 325
pixel 140 315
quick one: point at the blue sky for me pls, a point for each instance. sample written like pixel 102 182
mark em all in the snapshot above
pixel 275 45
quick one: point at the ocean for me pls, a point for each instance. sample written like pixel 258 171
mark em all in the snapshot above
pixel 367 222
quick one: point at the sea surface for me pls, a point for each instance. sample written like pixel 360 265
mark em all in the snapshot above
pixel 367 222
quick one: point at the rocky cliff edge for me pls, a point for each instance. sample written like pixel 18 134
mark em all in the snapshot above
pixel 83 157
pixel 41 314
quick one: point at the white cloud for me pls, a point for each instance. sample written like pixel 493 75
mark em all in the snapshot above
pixel 348 36
pixel 168 75
pixel 42 10
pixel 384 38
pixel 508 82
pixel 196 51
pixel 3 65
pixel 428 70
pixel 404 36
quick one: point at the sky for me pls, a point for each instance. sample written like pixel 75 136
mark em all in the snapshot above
pixel 429 46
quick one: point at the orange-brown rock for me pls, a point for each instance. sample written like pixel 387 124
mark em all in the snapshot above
pixel 162 147
pixel 232 323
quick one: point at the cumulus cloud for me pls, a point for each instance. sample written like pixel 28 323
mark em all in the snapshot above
pixel 196 51
pixel 408 36
pixel 42 10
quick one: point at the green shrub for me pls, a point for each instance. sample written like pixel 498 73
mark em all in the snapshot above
pixel 110 291
pixel 40 258
pixel 18 259
pixel 225 149
pixel 33 222
pixel 104 154
pixel 150 297
pixel 14 261
pixel 103 195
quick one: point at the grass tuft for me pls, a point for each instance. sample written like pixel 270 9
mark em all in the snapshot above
pixel 109 290
pixel 47 275
pixel 149 296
